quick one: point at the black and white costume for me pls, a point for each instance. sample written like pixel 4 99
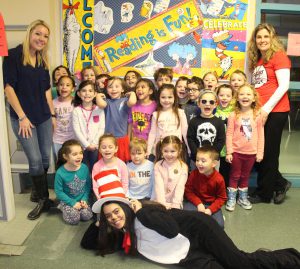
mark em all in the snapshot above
pixel 194 240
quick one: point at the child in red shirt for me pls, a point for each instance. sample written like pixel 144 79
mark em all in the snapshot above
pixel 205 188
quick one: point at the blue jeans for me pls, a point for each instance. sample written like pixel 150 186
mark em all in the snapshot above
pixel 218 216
pixel 37 148
pixel 56 148
pixel 90 158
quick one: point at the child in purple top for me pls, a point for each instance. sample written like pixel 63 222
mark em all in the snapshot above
pixel 116 113
pixel 139 118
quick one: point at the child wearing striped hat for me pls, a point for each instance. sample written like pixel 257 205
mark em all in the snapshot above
pixel 109 169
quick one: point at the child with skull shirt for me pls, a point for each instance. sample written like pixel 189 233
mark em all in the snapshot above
pixel 206 128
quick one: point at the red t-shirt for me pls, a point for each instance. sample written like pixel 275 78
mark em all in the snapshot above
pixel 265 81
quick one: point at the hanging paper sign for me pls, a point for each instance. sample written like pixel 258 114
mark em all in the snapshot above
pixel 293 44
pixel 78 34
pixel 147 36
pixel 3 41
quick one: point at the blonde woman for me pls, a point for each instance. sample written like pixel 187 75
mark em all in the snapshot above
pixel 270 69
pixel 28 91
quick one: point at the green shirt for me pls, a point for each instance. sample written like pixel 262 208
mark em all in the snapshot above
pixel 72 186
pixel 223 114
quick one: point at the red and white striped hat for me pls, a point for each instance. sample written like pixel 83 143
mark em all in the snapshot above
pixel 110 189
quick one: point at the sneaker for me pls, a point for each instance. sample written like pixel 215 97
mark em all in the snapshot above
pixel 280 195
pixel 256 199
pixel 243 199
pixel 244 203
pixel 231 201
pixel 230 205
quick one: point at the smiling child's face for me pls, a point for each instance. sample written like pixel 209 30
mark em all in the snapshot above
pixel 207 103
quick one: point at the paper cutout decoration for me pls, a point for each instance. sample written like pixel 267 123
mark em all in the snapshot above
pixel 71 40
pixel 149 65
pixel 3 41
pixel 104 19
pixel 146 9
pixel 126 12
pixel 161 5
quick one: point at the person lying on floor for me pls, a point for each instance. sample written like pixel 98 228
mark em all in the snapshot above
pixel 187 238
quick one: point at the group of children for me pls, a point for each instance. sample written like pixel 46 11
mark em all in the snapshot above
pixel 122 125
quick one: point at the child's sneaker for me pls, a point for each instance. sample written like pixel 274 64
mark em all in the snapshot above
pixel 231 201
pixel 243 199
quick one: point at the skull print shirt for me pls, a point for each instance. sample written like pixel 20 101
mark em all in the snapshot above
pixel 203 131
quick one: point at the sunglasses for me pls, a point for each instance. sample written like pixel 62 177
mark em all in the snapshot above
pixel 204 102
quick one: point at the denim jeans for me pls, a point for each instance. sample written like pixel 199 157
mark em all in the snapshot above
pixel 218 216
pixel 90 158
pixel 56 148
pixel 37 148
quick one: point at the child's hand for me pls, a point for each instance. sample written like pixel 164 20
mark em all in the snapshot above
pixel 229 158
pixel 201 208
pixel 77 206
pixel 207 211
pixel 95 147
pixel 258 159
pixel 101 95
pixel 101 100
pixel 135 205
pixel 84 204
pixel 127 94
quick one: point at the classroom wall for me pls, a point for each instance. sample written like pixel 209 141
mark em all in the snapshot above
pixel 16 12
pixel 50 11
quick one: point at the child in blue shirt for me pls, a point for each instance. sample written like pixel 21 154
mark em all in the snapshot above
pixel 140 171
pixel 72 184
pixel 116 113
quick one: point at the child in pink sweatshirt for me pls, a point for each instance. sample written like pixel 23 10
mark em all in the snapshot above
pixel 244 143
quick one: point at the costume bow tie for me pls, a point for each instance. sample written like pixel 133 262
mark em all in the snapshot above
pixel 126 242
pixel 71 7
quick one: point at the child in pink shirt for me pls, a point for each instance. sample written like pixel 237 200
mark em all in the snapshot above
pixel 63 107
pixel 244 143
pixel 170 173
pixel 168 119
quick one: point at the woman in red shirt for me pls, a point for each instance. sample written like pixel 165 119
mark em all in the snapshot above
pixel 270 69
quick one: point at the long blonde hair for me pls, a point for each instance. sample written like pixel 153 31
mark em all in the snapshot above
pixel 42 57
pixel 255 105
pixel 254 53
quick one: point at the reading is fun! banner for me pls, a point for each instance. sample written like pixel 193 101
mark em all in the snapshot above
pixel 191 37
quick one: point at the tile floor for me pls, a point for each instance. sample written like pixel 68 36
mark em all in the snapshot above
pixel 53 244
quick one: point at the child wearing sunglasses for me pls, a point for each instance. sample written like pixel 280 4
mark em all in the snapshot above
pixel 206 128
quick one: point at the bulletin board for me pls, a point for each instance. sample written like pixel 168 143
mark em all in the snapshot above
pixel 192 37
